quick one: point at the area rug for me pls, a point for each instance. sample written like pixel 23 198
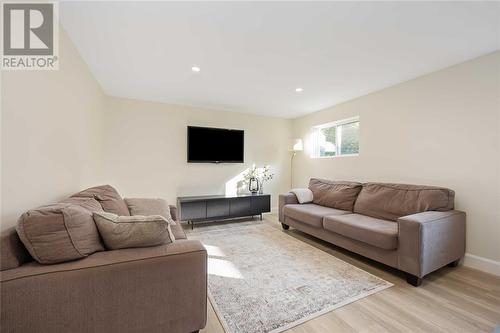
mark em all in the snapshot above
pixel 263 280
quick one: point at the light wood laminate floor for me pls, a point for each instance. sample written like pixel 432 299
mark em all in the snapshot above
pixel 450 300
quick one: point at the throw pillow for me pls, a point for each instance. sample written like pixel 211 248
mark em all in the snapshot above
pixel 304 195
pixel 119 232
pixel 59 232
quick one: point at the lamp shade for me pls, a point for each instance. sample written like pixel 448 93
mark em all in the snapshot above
pixel 296 145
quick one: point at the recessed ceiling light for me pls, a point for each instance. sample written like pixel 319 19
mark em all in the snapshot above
pixel 299 90
pixel 195 69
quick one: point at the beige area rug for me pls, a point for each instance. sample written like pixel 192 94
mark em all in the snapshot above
pixel 263 280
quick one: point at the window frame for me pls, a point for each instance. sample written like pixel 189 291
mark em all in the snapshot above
pixel 338 137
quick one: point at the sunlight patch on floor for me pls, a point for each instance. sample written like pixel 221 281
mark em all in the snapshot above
pixel 214 251
pixel 223 268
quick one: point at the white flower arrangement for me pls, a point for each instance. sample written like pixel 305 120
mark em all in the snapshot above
pixel 263 174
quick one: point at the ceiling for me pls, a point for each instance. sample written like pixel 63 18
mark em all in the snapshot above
pixel 253 55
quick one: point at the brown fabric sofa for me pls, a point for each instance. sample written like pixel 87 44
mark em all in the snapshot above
pixel 153 289
pixel 410 227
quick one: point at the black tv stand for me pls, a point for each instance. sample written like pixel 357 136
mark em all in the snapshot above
pixel 220 207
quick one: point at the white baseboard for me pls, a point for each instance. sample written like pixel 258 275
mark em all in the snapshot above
pixel 482 264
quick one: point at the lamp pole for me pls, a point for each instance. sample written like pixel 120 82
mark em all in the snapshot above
pixel 295 147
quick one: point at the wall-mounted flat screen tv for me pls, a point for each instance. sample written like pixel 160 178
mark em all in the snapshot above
pixel 215 145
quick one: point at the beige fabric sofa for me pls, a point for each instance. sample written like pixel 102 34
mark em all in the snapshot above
pixel 410 227
pixel 152 289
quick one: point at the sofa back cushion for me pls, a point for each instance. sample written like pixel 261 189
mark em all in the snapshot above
pixel 108 197
pixel 334 194
pixel 149 206
pixel 12 251
pixel 392 201
pixel 87 203
pixel 60 232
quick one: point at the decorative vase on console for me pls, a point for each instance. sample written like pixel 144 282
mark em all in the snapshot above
pixel 265 175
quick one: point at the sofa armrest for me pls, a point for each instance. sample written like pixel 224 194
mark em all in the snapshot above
pixel 173 212
pixel 430 240
pixel 285 199
pixel 161 288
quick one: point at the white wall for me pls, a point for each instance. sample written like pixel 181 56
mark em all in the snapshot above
pixel 51 133
pixel 146 150
pixel 440 129
pixel 61 134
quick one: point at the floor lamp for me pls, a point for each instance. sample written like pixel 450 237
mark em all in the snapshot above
pixel 294 148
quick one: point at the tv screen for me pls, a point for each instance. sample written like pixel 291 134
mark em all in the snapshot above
pixel 215 145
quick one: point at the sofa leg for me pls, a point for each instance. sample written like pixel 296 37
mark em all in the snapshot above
pixel 285 226
pixel 195 331
pixel 454 263
pixel 413 280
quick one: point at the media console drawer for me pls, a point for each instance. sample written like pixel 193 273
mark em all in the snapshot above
pixel 194 210
pixel 240 206
pixel 217 208
pixel 260 204
pixel 212 207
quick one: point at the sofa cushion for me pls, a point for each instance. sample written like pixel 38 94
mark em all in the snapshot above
pixel 108 197
pixel 121 232
pixel 310 214
pixel 59 232
pixel 12 251
pixel 149 206
pixel 392 201
pixel 366 229
pixel 90 204
pixel 334 194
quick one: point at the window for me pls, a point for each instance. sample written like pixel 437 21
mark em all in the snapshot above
pixel 336 139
